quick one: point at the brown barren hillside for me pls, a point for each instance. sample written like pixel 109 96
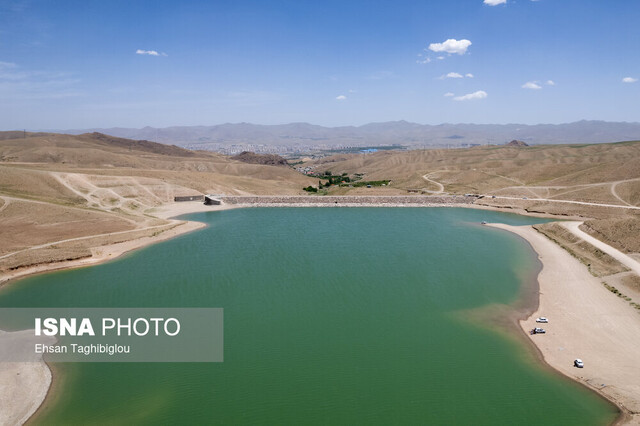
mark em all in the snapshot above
pixel 55 188
pixel 50 158
pixel 605 173
pixel 253 158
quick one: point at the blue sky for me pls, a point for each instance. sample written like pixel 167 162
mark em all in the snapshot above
pixel 84 64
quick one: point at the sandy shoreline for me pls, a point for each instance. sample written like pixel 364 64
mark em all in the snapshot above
pixel 586 321
pixel 103 253
pixel 23 385
pixel 593 320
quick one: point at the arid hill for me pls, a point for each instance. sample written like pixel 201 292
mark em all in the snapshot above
pixel 267 159
pixel 516 142
pixel 601 173
pixel 50 156
pixel 56 187
pixel 141 145
pixel 18 134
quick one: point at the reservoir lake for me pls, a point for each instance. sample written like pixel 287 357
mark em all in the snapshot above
pixel 332 316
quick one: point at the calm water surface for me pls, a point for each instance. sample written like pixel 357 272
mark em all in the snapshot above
pixel 332 316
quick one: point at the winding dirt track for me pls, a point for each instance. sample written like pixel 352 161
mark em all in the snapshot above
pixel 572 188
pixel 438 184
pixel 626 260
pixel 531 191
pixel 7 201
pixel 615 194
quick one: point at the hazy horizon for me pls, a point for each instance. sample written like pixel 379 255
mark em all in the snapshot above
pixel 320 125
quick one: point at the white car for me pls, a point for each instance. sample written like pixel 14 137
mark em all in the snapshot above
pixel 542 319
pixel 578 363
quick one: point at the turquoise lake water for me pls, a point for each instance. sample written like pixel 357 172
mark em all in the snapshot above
pixel 332 316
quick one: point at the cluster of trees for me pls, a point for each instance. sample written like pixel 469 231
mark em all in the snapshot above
pixel 371 183
pixel 330 180
pixel 343 180
pixel 334 180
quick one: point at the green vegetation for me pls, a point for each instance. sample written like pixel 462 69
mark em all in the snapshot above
pixel 331 179
pixel 336 180
pixel 371 183
pixel 344 180
pixel 310 189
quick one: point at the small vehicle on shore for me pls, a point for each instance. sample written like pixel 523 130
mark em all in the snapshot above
pixel 542 319
pixel 538 330
pixel 578 363
pixel 483 223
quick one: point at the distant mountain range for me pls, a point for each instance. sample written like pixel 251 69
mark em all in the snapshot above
pixel 302 137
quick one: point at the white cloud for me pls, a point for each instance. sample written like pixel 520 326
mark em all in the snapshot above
pixel 455 75
pixel 4 65
pixel 448 94
pixel 423 61
pixel 480 94
pixel 150 52
pixel 440 58
pixel 341 98
pixel 451 46
pixel 629 80
pixel 531 85
pixel 352 91
pixel 495 2
pixel 550 83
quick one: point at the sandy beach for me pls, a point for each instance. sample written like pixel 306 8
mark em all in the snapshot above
pixel 23 385
pixel 586 321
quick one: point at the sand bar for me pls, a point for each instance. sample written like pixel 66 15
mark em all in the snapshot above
pixel 586 321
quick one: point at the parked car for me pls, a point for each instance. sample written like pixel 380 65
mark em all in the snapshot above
pixel 578 363
pixel 542 319
pixel 539 330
